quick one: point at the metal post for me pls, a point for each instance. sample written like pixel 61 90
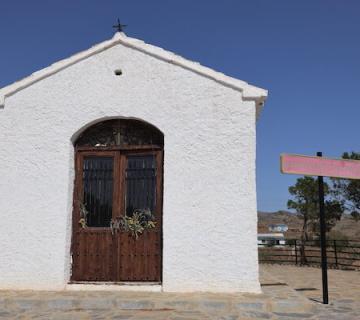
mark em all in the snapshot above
pixel 323 238
pixel 335 252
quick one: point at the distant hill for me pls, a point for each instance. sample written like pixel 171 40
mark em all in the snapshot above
pixel 346 226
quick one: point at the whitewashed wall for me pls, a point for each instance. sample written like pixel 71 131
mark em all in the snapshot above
pixel 209 171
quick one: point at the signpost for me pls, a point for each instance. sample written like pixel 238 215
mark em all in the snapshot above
pixel 318 166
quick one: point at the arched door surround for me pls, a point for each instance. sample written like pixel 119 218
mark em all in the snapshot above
pixel 117 209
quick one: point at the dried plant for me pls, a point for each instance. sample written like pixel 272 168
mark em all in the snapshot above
pixel 140 220
pixel 83 215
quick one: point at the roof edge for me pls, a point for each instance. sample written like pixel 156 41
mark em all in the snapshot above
pixel 249 92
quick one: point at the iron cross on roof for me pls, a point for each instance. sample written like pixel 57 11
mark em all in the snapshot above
pixel 119 27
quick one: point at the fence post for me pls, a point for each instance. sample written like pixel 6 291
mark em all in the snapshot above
pixel 296 262
pixel 335 252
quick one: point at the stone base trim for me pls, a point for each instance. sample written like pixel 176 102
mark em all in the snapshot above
pixel 114 287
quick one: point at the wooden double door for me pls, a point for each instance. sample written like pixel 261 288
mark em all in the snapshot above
pixel 108 185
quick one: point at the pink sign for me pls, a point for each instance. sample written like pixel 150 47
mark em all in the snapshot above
pixel 319 166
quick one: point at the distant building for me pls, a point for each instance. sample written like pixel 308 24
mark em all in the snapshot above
pixel 271 239
pixel 278 228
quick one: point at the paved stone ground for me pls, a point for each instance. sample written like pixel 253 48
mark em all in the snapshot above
pixel 344 289
pixel 288 293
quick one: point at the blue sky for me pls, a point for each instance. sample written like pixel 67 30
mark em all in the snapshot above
pixel 306 53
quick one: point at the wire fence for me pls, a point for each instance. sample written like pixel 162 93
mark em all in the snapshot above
pixel 341 254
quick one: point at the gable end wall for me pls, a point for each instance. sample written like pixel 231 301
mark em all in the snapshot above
pixel 209 170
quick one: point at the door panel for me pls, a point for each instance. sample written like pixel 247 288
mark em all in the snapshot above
pixel 92 256
pixel 92 247
pixel 140 259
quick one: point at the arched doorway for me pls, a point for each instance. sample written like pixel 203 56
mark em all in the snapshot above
pixel 117 211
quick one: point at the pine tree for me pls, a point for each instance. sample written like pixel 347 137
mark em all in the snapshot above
pixel 305 200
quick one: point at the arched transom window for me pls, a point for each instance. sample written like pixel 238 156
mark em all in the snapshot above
pixel 120 133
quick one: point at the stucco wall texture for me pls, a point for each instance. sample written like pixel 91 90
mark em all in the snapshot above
pixel 209 222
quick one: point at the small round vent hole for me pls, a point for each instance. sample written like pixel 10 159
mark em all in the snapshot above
pixel 118 72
